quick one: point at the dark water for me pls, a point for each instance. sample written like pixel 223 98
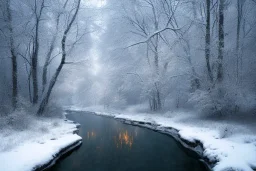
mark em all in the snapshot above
pixel 109 145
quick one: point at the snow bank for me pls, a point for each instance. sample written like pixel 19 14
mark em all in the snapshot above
pixel 225 146
pixel 31 154
pixel 38 146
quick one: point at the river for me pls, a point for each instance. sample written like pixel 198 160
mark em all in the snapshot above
pixel 109 145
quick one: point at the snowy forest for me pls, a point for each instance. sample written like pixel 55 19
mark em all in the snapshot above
pixel 138 56
pixel 163 54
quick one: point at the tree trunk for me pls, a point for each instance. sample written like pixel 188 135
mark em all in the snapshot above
pixel 159 101
pixel 14 80
pixel 221 42
pixel 157 93
pixel 44 77
pixel 208 40
pixel 34 63
pixel 34 60
pixel 34 77
pixel 46 64
pixel 240 4
pixel 13 57
pixel 46 98
pixel 238 38
pixel 51 85
pixel 49 54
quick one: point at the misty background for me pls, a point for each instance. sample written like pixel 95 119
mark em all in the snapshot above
pixel 153 55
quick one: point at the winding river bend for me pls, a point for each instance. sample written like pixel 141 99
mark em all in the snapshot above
pixel 109 145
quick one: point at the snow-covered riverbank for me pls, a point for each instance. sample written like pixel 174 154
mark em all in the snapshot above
pixel 223 145
pixel 38 146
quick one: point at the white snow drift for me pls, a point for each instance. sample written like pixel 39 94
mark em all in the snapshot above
pixel 36 146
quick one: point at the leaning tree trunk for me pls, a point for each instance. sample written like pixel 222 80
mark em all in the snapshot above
pixel 46 98
pixel 208 40
pixel 51 85
pixel 49 54
pixel 13 57
pixel 46 64
pixel 221 42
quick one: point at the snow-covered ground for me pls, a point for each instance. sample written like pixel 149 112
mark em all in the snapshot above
pixel 36 146
pixel 229 145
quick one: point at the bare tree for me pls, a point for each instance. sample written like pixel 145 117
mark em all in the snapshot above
pixel 13 52
pixel 208 39
pixel 221 42
pixel 156 97
pixel 240 5
pixel 141 28
pixel 148 27
pixel 51 48
pixel 38 11
pixel 14 59
pixel 54 78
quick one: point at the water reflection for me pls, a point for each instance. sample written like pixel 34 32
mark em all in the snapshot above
pixel 90 135
pixel 111 145
pixel 124 139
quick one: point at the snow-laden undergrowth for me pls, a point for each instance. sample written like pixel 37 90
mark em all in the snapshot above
pixel 29 147
pixel 232 146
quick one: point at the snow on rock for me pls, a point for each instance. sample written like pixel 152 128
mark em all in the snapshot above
pixel 229 146
pixel 32 148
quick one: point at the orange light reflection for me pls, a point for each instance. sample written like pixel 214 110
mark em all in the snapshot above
pixel 91 134
pixel 124 139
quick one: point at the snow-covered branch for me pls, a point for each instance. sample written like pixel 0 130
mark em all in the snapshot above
pixel 154 34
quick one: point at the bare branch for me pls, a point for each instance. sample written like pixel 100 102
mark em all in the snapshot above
pixel 152 35
pixel 24 57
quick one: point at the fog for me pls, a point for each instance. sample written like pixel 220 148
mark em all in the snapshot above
pixel 161 55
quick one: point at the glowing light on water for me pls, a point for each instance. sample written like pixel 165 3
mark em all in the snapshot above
pixel 91 134
pixel 124 139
